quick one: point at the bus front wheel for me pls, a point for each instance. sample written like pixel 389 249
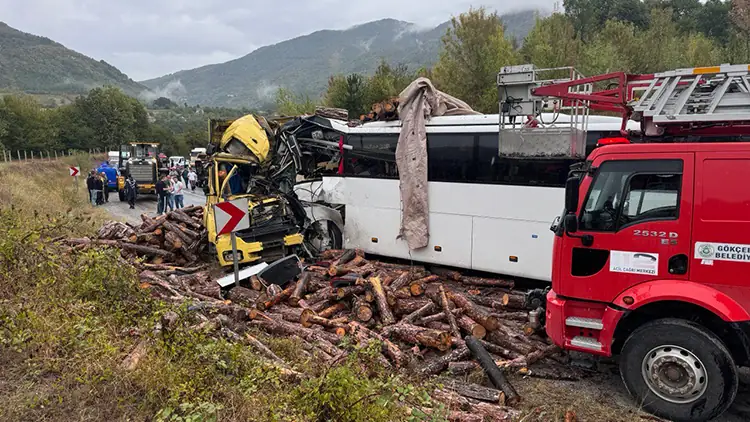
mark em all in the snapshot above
pixel 679 370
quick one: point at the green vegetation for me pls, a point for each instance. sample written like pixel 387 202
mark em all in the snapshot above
pixel 35 64
pixel 103 120
pixel 69 320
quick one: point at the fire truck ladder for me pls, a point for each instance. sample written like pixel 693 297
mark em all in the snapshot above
pixel 719 94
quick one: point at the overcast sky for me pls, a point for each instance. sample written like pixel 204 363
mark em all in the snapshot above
pixel 151 38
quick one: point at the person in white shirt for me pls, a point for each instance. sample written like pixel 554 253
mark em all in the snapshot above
pixel 193 178
pixel 177 192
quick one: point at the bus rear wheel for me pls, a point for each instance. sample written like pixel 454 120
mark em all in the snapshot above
pixel 679 370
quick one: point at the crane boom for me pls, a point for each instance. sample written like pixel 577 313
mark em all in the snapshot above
pixel 701 101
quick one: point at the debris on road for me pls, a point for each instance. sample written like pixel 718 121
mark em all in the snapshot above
pixel 417 315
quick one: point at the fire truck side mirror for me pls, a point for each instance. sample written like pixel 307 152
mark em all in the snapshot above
pixel 571 223
pixel 571 195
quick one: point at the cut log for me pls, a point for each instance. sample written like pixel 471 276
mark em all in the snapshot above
pixel 419 313
pixel 446 273
pixel 362 310
pixel 308 318
pixel 332 113
pixel 494 373
pixel 438 365
pixel 407 306
pixel 440 340
pixel 346 292
pixel 180 216
pixel 529 359
pixel 514 301
pixel 344 268
pixel 151 224
pixel 416 288
pixel 440 326
pixel 462 368
pixel 343 259
pixel 386 316
pixel 488 321
pixel 400 281
pixel 325 340
pixel 277 298
pixel 332 310
pixel 299 289
pixel 500 351
pixel 243 296
pixel 331 254
pixel 487 282
pixel 476 392
pixel 447 312
pixel 471 327
pixel 256 283
pixel 188 236
pixel 174 240
pixel 489 412
pixel 506 341
pixel 147 250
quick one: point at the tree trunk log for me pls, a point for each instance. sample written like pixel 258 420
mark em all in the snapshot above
pixel 299 289
pixel 419 313
pixel 438 365
pixel 242 296
pixel 487 282
pixel 407 306
pixel 488 321
pixel 277 298
pixel 440 340
pixel 386 316
pixel 447 312
pixel 332 310
pixel 494 373
pixel 390 349
pixel 476 392
pixel 514 301
pixel 471 327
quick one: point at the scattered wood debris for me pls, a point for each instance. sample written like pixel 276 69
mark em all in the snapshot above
pixel 428 321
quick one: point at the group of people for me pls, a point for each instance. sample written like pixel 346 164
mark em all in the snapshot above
pixel 170 189
pixel 100 181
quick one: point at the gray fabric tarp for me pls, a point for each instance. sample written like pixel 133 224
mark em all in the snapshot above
pixel 417 103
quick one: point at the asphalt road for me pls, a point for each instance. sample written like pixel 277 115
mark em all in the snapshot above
pixel 145 204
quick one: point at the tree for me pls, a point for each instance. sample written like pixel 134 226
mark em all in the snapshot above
pixel 552 43
pixel 713 20
pixel 662 47
pixel 288 104
pixel 347 92
pixel 474 50
pixel 27 125
pixel 387 82
pixel 740 15
pixel 163 103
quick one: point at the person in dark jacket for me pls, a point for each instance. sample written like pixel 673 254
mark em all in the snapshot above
pixel 99 189
pixel 90 186
pixel 162 194
pixel 131 191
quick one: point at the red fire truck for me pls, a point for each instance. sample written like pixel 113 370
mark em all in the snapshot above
pixel 652 252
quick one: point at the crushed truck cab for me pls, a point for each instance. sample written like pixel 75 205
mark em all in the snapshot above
pixel 236 167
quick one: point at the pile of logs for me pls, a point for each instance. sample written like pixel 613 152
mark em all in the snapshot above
pixel 383 111
pixel 428 321
pixel 174 238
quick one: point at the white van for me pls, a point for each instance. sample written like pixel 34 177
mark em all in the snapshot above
pixel 177 161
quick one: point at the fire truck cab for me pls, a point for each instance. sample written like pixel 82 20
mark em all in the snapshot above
pixel 651 262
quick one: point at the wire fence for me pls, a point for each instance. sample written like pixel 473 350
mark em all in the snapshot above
pixel 49 155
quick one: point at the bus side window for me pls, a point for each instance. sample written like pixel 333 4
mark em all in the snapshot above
pixel 488 165
pixel 372 156
pixel 451 157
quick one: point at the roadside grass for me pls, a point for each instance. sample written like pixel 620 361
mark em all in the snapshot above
pixel 69 319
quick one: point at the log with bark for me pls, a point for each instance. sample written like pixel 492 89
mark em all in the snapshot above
pixel 494 373
pixel 474 312
pixel 413 334
pixel 384 310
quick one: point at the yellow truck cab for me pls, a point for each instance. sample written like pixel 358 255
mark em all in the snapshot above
pixel 238 151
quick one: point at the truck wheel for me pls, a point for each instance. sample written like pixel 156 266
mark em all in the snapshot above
pixel 121 194
pixel 679 370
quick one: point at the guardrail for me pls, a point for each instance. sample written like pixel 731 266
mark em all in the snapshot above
pixel 49 155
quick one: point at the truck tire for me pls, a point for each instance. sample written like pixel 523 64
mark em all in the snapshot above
pixel 679 370
pixel 121 194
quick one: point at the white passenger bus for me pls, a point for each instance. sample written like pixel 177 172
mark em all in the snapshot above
pixel 487 213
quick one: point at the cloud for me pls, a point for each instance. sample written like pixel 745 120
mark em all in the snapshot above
pixel 151 38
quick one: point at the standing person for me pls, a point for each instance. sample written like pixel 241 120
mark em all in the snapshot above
pixel 110 181
pixel 99 189
pixel 91 186
pixel 178 186
pixel 192 179
pixel 161 192
pixel 185 175
pixel 105 188
pixel 170 195
pixel 131 191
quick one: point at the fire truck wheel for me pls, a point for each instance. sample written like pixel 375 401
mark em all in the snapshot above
pixel 678 370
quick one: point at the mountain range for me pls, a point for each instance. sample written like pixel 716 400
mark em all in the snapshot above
pixel 34 64
pixel 304 64
pixel 38 65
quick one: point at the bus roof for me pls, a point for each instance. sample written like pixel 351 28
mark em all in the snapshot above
pixel 481 123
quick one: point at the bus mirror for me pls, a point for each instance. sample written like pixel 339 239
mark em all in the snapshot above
pixel 571 195
pixel 571 223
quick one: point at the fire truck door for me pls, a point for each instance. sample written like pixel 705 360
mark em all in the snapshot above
pixel 634 226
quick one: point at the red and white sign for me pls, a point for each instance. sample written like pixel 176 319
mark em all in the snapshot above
pixel 231 216
pixel 74 171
